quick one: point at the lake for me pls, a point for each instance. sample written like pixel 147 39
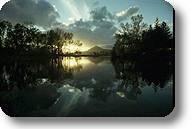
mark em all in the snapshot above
pixel 87 86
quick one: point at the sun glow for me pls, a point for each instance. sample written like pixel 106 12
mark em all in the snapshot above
pixel 70 49
pixel 84 48
pixel 74 48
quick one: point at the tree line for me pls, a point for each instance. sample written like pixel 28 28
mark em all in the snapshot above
pixel 139 38
pixel 20 39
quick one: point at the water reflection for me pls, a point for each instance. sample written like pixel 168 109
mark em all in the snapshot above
pixel 86 86
pixel 74 64
pixel 134 74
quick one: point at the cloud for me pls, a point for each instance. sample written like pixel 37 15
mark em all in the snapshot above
pixel 98 30
pixel 101 27
pixel 125 14
pixel 38 12
pixel 2 2
pixel 101 14
pixel 93 33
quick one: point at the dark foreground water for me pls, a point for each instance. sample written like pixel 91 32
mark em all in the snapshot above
pixel 86 86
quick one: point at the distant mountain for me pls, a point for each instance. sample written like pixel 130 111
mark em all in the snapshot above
pixel 96 50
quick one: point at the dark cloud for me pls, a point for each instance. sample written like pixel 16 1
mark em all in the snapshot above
pixel 92 32
pixel 101 14
pixel 98 30
pixel 38 12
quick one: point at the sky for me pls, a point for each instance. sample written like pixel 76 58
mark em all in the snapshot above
pixel 80 8
pixel 94 22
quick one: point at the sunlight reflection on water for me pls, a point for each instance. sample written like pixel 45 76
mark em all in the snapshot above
pixel 75 62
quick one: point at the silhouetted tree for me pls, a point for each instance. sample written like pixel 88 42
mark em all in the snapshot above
pixel 136 38
pixel 61 37
pixel 20 39
pixel 129 36
pixel 157 37
pixel 57 38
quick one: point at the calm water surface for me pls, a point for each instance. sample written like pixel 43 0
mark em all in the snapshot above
pixel 86 86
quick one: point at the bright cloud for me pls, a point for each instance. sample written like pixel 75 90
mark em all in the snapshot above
pixel 125 14
pixel 2 2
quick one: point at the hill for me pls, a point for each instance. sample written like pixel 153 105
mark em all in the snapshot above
pixel 96 50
